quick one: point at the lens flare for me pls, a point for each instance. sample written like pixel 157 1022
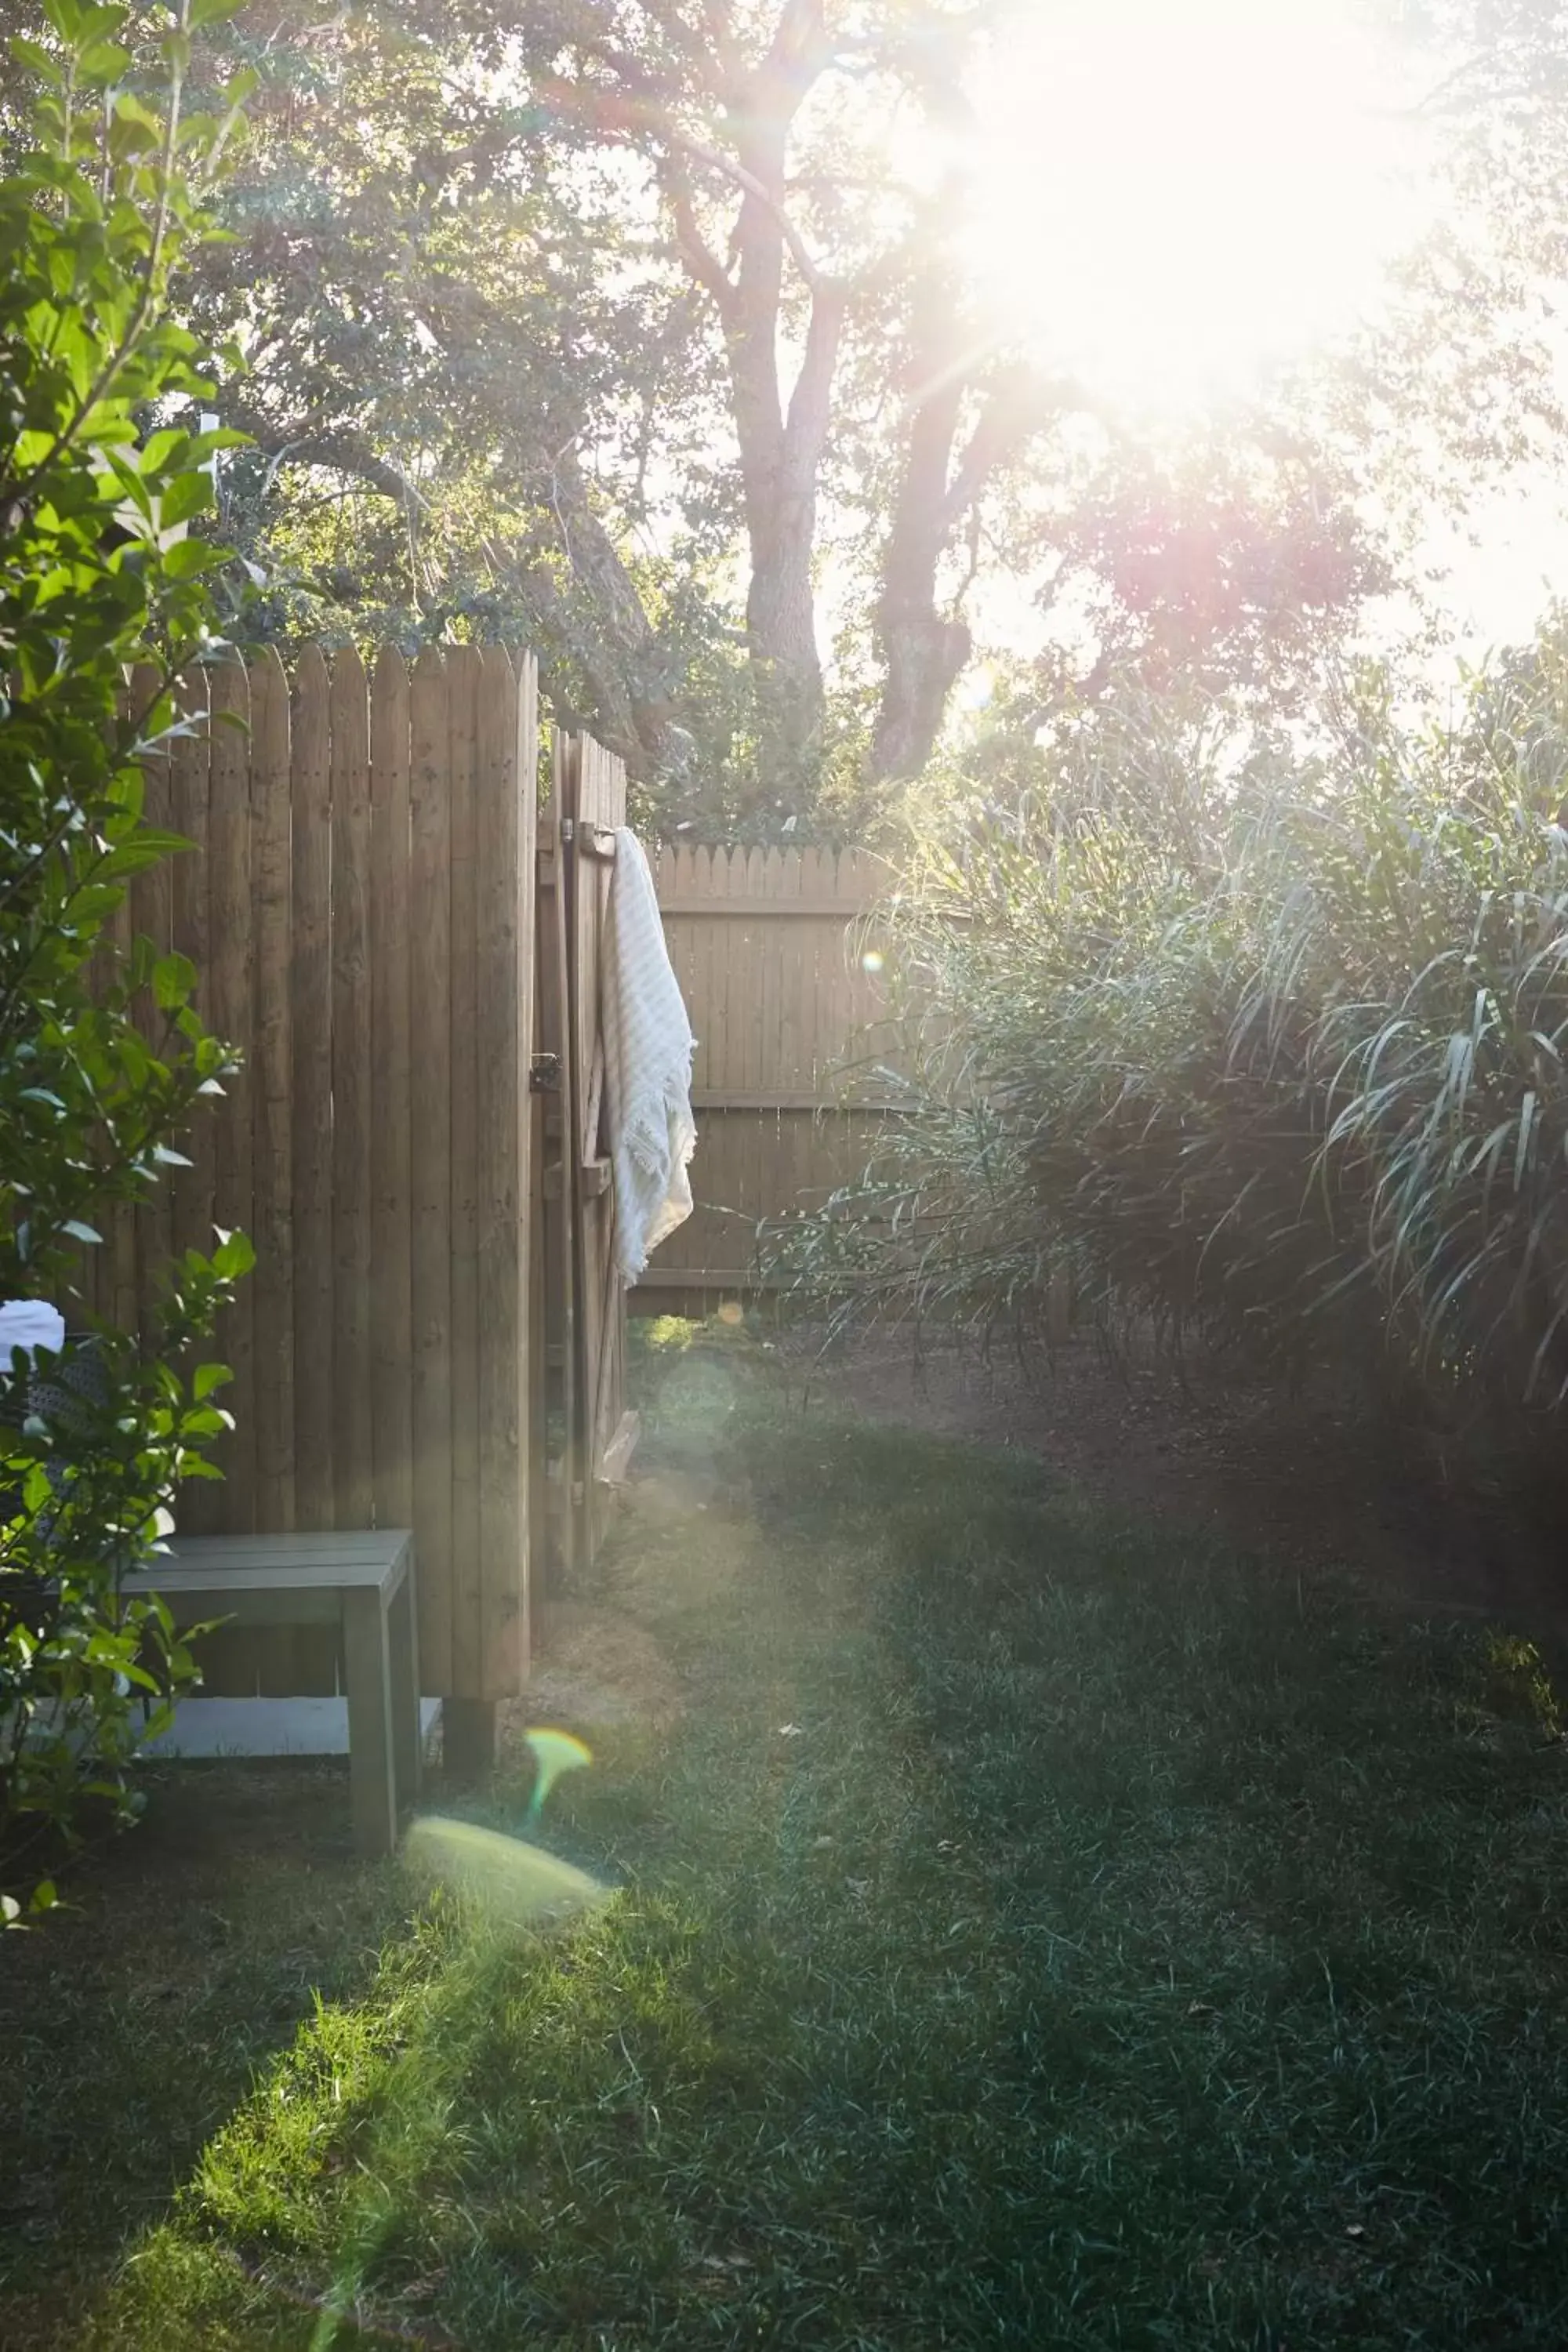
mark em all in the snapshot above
pixel 553 1752
pixel 871 960
pixel 512 1883
pixel 1173 202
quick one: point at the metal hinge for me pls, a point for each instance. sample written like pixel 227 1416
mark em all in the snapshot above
pixel 568 829
pixel 544 1074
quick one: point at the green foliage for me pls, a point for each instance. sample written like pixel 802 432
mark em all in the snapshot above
pixel 100 581
pixel 475 375
pixel 1276 1053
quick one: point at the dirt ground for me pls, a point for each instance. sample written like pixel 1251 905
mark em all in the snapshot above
pixel 1314 1481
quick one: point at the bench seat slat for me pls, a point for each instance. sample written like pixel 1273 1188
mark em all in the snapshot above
pixel 245 1601
pixel 385 1545
pixel 255 1576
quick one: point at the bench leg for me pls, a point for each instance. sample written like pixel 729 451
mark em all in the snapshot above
pixel 407 1739
pixel 367 1653
pixel 469 1729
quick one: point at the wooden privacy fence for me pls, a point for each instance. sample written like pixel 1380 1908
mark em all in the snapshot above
pixel 780 974
pixel 361 907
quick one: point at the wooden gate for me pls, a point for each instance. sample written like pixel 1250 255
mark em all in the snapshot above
pixel 593 1433
pixel 360 911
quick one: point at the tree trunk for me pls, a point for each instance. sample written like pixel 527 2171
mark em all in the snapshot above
pixel 924 652
pixel 780 458
pixel 923 649
pixel 781 447
pixel 923 658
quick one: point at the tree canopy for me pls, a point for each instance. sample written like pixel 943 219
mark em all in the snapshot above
pixel 649 332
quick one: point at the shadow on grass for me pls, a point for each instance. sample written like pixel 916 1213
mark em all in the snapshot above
pixel 133 2023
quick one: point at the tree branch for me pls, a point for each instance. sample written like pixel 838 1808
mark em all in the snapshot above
pixel 703 263
pixel 805 426
pixel 799 52
pixel 339 449
pixel 816 278
pixel 698 52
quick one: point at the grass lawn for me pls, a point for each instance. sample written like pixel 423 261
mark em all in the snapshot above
pixel 1038 1930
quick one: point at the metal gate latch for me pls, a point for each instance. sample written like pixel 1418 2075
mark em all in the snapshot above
pixel 544 1074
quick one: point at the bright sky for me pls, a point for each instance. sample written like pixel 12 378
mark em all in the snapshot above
pixel 1175 194
pixel 1177 197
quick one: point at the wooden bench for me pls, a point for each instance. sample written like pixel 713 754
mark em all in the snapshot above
pixel 363 1583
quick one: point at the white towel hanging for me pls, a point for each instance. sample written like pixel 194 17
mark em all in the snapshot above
pixel 648 1046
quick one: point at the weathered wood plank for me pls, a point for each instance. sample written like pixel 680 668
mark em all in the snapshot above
pixel 152 919
pixel 229 918
pixel 312 976
pixel 190 786
pixel 392 1300
pixel 353 1469
pixel 430 1081
pixel 463 673
pixel 557 1175
pixel 503 972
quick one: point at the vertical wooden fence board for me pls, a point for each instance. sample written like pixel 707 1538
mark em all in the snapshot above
pixel 586 1094
pixel 151 919
pixel 557 1181
pixel 192 1206
pixel 730 1012
pixel 535 897
pixel 353 1471
pixel 99 1259
pixel 463 671
pixel 596 787
pixel 588 1071
pixel 503 1024
pixel 272 1106
pixel 760 1013
pixel 583 938
pixel 229 1012
pixel 720 1187
pixel 271 1658
pixel 312 976
pixel 189 789
pixel 799 958
pixel 431 1082
pixel 118 1287
pixel 392 1303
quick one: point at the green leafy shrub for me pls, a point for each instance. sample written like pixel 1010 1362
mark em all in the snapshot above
pixel 1278 1054
pixel 98 578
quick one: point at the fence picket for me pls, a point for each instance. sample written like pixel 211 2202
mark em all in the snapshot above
pixel 151 919
pixel 190 786
pixel 503 1027
pixel 462 689
pixel 229 1000
pixel 311 975
pixel 352 1377
pixel 272 1106
pixel 430 1080
pixel 392 1300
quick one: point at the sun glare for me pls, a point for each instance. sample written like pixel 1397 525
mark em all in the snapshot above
pixel 1176 196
